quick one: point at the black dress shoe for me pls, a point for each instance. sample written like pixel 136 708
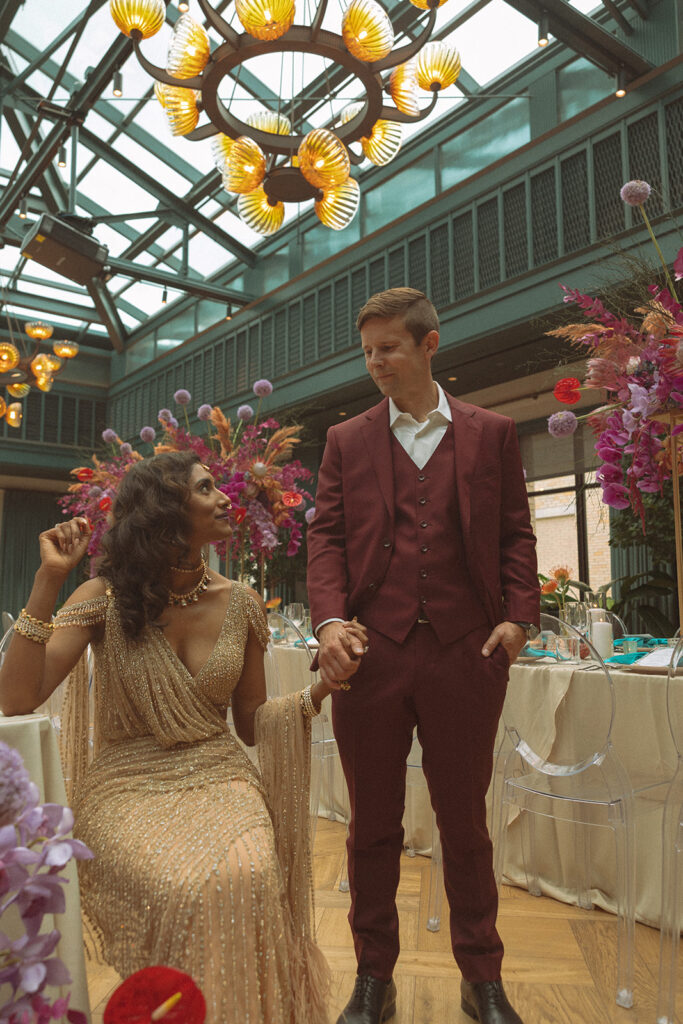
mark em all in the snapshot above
pixel 486 1002
pixel 373 1001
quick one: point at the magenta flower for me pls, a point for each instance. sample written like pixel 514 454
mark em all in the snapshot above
pixel 204 412
pixel 182 397
pixel 616 495
pixel 635 193
pixel 245 413
pixel 262 388
pixel 148 434
pixel 678 265
pixel 560 424
pixel 109 436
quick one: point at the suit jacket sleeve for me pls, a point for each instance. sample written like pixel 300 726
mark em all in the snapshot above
pixel 326 539
pixel 519 582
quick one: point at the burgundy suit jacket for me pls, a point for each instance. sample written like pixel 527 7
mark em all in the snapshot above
pixel 350 539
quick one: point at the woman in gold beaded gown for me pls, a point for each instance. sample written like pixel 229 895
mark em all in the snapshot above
pixel 202 861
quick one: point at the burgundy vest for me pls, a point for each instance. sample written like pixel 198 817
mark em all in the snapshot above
pixel 427 575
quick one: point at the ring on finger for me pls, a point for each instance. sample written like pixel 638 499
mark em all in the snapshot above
pixel 344 686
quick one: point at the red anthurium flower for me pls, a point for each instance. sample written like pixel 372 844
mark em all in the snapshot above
pixel 156 993
pixel 292 499
pixel 567 390
pixel 85 474
pixel 238 514
pixel 104 504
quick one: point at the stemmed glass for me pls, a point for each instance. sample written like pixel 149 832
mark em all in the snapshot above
pixel 576 614
pixel 295 613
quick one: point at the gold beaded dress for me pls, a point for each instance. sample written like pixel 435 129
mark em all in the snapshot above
pixel 202 861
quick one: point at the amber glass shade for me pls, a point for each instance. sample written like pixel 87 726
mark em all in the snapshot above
pixel 245 166
pixel 425 6
pixel 44 383
pixel 190 50
pixel 9 356
pixel 18 390
pixel 181 108
pixel 366 30
pixel 403 88
pixel 54 363
pixel 147 16
pixel 39 330
pixel 323 159
pixel 350 112
pixel 65 349
pixel 220 148
pixel 158 89
pixel 258 214
pixel 41 365
pixel 265 19
pixel 14 414
pixel 437 66
pixel 269 121
pixel 339 205
pixel 384 143
pixel 3 406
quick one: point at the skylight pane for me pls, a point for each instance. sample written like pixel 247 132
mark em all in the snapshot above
pixel 494 39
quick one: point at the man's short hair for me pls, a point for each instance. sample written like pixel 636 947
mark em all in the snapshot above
pixel 418 313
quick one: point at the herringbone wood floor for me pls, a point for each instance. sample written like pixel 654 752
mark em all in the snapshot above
pixel 559 966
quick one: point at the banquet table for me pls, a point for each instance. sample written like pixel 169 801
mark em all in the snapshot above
pixel 36 741
pixel 640 735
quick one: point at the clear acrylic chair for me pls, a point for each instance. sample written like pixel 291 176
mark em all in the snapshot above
pixel 672 852
pixel 586 785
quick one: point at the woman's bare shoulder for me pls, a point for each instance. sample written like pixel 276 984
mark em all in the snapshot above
pixel 88 591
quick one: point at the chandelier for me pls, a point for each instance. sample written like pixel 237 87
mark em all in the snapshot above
pixel 22 370
pixel 262 159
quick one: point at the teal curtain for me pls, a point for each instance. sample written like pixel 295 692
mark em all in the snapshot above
pixel 635 559
pixel 25 515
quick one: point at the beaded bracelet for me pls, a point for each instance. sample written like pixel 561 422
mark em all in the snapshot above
pixel 33 629
pixel 308 708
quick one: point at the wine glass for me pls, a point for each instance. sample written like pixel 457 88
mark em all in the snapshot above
pixel 295 613
pixel 576 614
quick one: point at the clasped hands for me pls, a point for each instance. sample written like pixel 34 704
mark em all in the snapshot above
pixel 342 645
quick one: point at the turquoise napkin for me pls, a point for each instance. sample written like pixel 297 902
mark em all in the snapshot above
pixel 536 652
pixel 625 659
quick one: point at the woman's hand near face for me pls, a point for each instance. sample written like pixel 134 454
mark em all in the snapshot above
pixel 64 545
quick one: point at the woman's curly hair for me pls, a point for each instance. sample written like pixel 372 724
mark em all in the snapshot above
pixel 149 517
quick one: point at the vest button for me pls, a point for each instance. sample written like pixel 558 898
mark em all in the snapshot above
pixel 386 543
pixel 424 524
pixel 422 501
pixel 422 478
pixel 423 574
pixel 424 549
pixel 372 586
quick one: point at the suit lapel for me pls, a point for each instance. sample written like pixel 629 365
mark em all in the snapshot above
pixel 377 438
pixel 466 443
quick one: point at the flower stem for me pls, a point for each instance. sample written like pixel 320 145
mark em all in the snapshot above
pixel 187 421
pixel 258 409
pixel 659 251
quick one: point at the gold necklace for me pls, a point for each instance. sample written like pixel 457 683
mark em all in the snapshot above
pixel 195 568
pixel 192 595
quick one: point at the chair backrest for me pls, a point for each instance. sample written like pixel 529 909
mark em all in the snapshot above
pixel 586 690
pixel 4 643
pixel 7 621
pixel 674 696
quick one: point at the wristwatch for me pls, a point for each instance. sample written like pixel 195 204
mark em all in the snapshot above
pixel 529 628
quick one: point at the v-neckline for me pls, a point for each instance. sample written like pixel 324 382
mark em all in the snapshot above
pixel 215 646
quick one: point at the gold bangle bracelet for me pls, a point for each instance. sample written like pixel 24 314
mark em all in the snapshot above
pixel 308 708
pixel 34 629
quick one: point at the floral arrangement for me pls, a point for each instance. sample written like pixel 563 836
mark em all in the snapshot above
pixel 34 846
pixel 639 363
pixel 251 462
pixel 559 586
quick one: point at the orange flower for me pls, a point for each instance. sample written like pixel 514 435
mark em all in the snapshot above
pixel 550 587
pixel 561 573
pixel 274 602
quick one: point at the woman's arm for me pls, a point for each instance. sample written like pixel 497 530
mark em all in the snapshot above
pixel 250 692
pixel 30 670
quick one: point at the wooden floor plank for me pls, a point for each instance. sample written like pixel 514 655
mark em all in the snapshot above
pixel 560 962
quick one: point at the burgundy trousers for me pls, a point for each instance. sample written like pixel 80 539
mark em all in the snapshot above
pixel 455 697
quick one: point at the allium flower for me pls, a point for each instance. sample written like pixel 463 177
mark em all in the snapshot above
pixel 635 193
pixel 165 415
pixel 567 390
pixel 182 397
pixel 309 513
pixel 204 412
pixel 109 436
pixel 147 434
pixel 262 388
pixel 245 413
pixel 17 792
pixel 560 424
pixel 173 422
pixel 126 449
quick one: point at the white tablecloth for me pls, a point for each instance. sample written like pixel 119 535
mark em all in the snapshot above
pixel 35 739
pixel 640 735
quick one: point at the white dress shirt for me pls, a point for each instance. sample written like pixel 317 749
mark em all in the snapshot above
pixel 419 440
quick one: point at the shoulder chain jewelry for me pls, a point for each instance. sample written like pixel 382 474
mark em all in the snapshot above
pixel 191 595
pixel 308 708
pixel 33 629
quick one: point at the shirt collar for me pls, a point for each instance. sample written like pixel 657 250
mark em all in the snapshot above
pixel 442 410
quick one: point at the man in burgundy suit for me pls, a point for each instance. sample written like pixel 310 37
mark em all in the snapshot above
pixel 422 531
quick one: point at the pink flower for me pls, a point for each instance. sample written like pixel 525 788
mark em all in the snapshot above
pixel 602 373
pixel 245 412
pixel 262 388
pixel 560 424
pixel 678 265
pixel 204 412
pixel 616 495
pixel 635 193
pixel 147 434
pixel 182 397
pixel 109 436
